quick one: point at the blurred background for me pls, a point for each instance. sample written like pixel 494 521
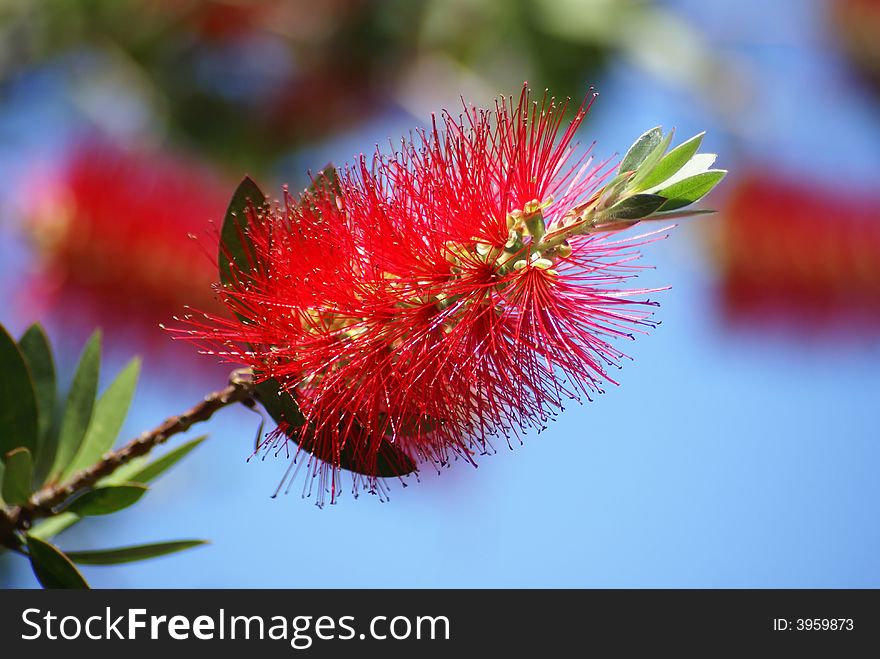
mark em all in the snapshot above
pixel 743 446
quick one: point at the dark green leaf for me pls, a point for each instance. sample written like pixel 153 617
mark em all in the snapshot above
pixel 672 162
pixel 689 190
pixel 79 405
pixel 139 471
pixel 644 145
pixel 18 404
pixel 131 554
pixel 18 474
pixel 107 419
pixel 280 405
pixel 326 181
pixel 52 568
pixel 635 207
pixel 234 245
pixel 106 499
pixel 37 352
pixel 390 460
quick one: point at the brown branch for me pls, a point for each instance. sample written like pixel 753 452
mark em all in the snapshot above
pixel 44 501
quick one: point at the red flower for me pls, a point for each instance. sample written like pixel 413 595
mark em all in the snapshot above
pixel 800 253
pixel 112 233
pixel 429 299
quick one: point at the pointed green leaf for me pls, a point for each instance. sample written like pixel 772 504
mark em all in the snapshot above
pixel 651 162
pixel 690 189
pixel 280 405
pixel 635 207
pixel 52 526
pixel 52 568
pixel 141 471
pixel 326 181
pixel 107 499
pixel 698 164
pixel 18 403
pixel 18 474
pixel 37 352
pixel 644 145
pixel 234 245
pixel 79 405
pixel 131 554
pixel 672 162
pixel 107 419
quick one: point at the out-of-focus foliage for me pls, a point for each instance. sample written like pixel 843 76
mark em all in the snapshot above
pixel 248 80
pixel 857 26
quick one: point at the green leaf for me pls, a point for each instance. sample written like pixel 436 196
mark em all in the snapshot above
pixel 691 189
pixel 650 163
pixel 611 191
pixel 107 419
pixel 390 460
pixel 37 352
pixel 52 568
pixel 644 145
pixel 635 207
pixel 106 499
pixel 52 526
pixel 79 405
pixel 18 475
pixel 279 404
pixel 698 164
pixel 234 244
pixel 139 471
pixel 18 403
pixel 673 161
pixel 131 554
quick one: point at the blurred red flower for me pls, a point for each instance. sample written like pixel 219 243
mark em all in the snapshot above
pixel 788 250
pixel 409 302
pixel 113 230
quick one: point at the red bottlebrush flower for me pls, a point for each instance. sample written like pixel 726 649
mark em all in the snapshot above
pixel 789 251
pixel 439 296
pixel 111 228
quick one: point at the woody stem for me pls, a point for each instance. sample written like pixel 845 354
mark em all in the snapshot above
pixel 43 502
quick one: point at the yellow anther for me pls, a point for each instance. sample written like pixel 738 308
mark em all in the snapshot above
pixel 542 264
pixel 512 238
